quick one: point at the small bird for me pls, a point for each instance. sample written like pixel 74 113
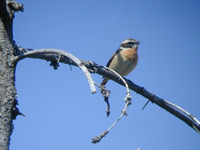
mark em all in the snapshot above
pixel 125 59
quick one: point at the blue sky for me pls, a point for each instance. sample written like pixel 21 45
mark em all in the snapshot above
pixel 61 111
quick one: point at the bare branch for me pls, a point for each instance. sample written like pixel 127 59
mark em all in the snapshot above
pixel 57 55
pixel 93 67
pixel 7 10
pixel 106 94
pixel 187 113
pixel 194 123
pixel 14 7
pixel 127 99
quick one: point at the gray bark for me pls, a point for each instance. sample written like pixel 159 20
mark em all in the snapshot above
pixel 10 54
pixel 7 77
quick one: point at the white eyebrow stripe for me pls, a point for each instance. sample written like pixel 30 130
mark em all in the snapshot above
pixel 129 40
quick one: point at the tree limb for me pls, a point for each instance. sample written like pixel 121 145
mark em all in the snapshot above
pixel 52 55
pixel 55 55
pixel 179 113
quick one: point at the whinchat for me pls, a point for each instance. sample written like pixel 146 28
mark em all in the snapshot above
pixel 125 59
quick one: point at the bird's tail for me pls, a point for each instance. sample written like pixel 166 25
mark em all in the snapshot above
pixel 105 80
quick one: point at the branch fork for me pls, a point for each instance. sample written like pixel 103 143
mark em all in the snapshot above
pixel 88 67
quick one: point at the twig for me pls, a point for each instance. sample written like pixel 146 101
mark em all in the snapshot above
pixel 106 94
pixel 127 99
pixel 150 96
pixel 127 88
pixel 145 104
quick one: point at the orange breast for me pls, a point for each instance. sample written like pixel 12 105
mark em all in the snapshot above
pixel 130 54
pixel 125 61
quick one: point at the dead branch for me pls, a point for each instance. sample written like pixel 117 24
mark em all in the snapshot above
pixel 55 55
pixel 52 55
pixel 127 100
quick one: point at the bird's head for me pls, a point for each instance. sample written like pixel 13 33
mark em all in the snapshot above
pixel 129 43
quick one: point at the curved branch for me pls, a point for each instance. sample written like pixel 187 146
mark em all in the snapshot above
pixel 127 99
pixel 168 106
pixel 121 78
pixel 57 56
pixel 93 67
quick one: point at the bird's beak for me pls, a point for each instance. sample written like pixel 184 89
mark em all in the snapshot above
pixel 138 42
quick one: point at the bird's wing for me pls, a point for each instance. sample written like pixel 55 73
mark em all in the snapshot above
pixel 109 62
pixel 112 57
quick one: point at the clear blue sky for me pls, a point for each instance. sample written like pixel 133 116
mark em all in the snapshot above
pixel 61 111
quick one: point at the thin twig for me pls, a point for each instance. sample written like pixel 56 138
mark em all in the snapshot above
pixel 150 96
pixel 127 88
pixel 106 94
pixel 145 104
pixel 122 114
pixel 127 99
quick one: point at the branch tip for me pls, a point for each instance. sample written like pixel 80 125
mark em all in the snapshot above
pixel 97 139
pixel 145 104
pixel 198 131
pixel 106 94
pixel 13 6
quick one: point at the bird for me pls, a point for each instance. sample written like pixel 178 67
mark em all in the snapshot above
pixel 125 59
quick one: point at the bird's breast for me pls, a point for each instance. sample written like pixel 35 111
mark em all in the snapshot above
pixel 125 61
pixel 129 54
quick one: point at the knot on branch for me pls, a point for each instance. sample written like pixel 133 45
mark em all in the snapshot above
pixel 128 99
pixel 15 111
pixel 54 64
pixel 13 7
pixel 91 66
pixel 104 92
pixel 18 49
